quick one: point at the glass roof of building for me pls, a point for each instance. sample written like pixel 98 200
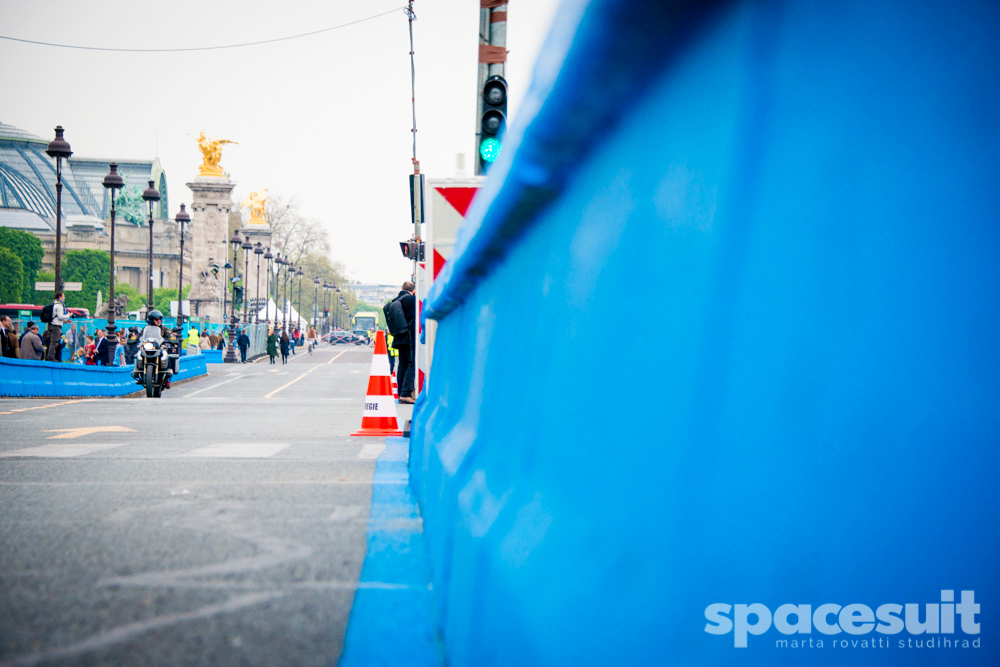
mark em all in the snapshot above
pixel 28 177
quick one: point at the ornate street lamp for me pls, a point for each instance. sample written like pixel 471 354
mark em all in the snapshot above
pixel 247 247
pixel 267 297
pixel 299 273
pixel 326 307
pixel 151 195
pixel 236 241
pixel 113 182
pixel 59 148
pixel 281 288
pixel 257 250
pixel 182 218
pixel 286 302
pixel 316 302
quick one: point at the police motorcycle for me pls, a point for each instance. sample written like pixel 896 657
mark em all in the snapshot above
pixel 154 359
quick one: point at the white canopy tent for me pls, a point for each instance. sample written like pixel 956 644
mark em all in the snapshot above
pixel 270 313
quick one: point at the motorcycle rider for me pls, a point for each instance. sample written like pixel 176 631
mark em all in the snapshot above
pixel 155 318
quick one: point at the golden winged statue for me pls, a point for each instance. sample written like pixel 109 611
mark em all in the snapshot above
pixel 256 202
pixel 211 152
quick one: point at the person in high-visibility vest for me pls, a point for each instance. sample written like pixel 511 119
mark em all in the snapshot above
pixel 393 352
pixel 193 342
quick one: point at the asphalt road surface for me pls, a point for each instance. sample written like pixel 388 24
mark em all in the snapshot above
pixel 223 524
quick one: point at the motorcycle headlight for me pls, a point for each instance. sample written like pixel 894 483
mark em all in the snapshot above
pixel 148 346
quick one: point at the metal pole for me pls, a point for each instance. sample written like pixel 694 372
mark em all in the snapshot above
pixel 111 291
pixel 246 284
pixel 256 315
pixel 149 290
pixel 58 280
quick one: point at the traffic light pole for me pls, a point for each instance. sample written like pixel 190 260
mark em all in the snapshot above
pixel 492 58
pixel 416 183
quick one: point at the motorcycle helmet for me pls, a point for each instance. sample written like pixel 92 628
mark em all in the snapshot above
pixel 153 315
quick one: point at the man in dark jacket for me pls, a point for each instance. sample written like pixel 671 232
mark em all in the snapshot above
pixel 8 339
pixel 101 349
pixel 406 373
pixel 243 342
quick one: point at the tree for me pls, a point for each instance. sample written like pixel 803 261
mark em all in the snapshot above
pixel 298 235
pixel 11 276
pixel 91 268
pixel 29 249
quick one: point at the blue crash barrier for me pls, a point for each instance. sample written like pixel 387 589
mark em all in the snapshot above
pixel 19 378
pixel 791 210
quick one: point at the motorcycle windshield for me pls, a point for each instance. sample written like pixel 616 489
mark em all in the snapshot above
pixel 151 333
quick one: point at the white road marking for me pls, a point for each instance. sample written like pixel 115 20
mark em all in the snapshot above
pixel 237 450
pixel 62 451
pixel 371 450
pixel 193 393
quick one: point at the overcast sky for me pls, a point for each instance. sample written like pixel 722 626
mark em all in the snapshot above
pixel 325 119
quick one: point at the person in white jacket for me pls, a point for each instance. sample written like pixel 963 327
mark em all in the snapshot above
pixel 59 317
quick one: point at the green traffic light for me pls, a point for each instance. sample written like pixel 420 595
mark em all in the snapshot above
pixel 489 149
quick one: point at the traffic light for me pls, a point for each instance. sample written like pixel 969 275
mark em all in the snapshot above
pixel 494 119
pixel 412 250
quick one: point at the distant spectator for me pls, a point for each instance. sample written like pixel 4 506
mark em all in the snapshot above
pixel 31 343
pixel 71 337
pixel 284 347
pixel 131 346
pixel 8 339
pixel 272 344
pixel 243 342
pixel 192 342
pixel 213 339
pixel 102 352
pixel 88 351
pixel 206 342
pixel 118 358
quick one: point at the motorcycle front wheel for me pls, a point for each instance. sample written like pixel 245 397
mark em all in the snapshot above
pixel 150 380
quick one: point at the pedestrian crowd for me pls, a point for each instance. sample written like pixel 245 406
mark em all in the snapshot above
pixel 86 346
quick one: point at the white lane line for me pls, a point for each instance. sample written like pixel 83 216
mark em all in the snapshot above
pixel 193 393
pixel 371 450
pixel 62 451
pixel 237 450
pixel 286 386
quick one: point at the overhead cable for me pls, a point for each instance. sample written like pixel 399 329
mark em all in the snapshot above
pixel 202 48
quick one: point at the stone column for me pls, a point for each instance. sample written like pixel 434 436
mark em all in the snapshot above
pixel 210 206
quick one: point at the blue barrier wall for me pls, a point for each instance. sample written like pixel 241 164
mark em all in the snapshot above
pixel 20 378
pixel 765 266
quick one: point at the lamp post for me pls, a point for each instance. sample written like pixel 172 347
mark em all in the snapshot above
pixel 151 196
pixel 282 288
pixel 299 273
pixel 267 296
pixel 257 250
pixel 225 294
pixel 59 148
pixel 236 241
pixel 247 248
pixel 182 218
pixel 113 182
pixel 316 302
pixel 279 304
pixel 286 302
pixel 326 307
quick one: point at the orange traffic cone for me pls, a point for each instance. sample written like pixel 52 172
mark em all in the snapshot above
pixel 379 417
pixel 395 389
